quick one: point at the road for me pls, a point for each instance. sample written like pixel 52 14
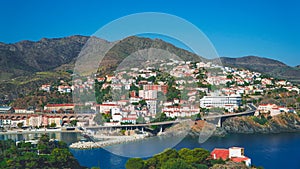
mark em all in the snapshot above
pixel 250 106
pixel 251 111
pixel 139 125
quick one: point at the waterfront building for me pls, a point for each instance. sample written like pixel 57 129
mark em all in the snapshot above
pixel 235 154
pixel 270 109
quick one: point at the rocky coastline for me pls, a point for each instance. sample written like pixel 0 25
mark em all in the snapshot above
pixel 286 122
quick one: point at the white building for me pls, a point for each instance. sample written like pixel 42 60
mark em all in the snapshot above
pixel 152 107
pixel 116 114
pixel 221 101
pixel 270 109
pixel 64 89
pixel 178 111
pixel 148 94
pixel 235 154
pixel 106 107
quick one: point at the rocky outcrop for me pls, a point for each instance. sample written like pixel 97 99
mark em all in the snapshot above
pixel 286 122
pixel 231 165
pixel 205 129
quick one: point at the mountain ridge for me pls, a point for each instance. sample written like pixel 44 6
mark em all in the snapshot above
pixel 51 54
pixel 263 65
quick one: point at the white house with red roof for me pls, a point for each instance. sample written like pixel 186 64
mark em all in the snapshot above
pixel 106 107
pixel 235 154
pixel 270 109
pixel 64 89
pixel 45 87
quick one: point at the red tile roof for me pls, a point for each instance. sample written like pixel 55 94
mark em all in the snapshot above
pixel 220 153
pixel 239 159
pixel 59 105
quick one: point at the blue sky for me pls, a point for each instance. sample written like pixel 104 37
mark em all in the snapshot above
pixel 235 27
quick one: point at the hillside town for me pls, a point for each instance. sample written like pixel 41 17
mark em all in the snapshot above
pixel 175 89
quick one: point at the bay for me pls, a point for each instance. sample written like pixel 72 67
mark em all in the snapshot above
pixel 271 151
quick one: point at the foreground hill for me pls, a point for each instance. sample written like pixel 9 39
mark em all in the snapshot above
pixel 264 65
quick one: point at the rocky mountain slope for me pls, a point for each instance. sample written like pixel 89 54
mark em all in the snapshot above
pixel 26 57
pixel 22 62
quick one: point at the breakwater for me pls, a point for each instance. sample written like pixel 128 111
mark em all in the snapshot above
pixel 107 142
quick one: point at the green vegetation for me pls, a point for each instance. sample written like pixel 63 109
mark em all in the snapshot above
pixel 47 154
pixel 160 117
pixel 73 122
pixel 173 93
pixel 20 125
pixel 102 94
pixel 260 120
pixel 197 158
pixel 100 118
pixel 52 125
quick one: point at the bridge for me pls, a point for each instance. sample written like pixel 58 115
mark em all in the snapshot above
pixel 140 126
pixel 222 117
pixel 137 125
pixel 64 116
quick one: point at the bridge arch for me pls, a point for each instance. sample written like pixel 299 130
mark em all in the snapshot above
pixel 72 118
pixel 86 117
pixel 79 118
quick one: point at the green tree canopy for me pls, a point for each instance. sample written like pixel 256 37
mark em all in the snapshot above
pixel 135 163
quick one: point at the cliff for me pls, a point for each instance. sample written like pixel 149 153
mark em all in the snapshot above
pixel 286 122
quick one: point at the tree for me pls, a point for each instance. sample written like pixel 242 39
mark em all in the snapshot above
pixel 174 163
pixel 20 125
pixel 142 103
pixel 140 120
pixel 173 93
pixel 134 163
pixel 53 125
pixel 43 144
pixel 73 122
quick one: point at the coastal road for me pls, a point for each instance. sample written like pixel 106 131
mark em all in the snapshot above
pixel 249 112
pixel 139 125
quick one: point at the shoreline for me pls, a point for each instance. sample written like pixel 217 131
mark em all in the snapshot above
pixel 39 131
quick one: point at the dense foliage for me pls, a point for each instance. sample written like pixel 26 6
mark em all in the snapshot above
pixel 197 158
pixel 46 154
